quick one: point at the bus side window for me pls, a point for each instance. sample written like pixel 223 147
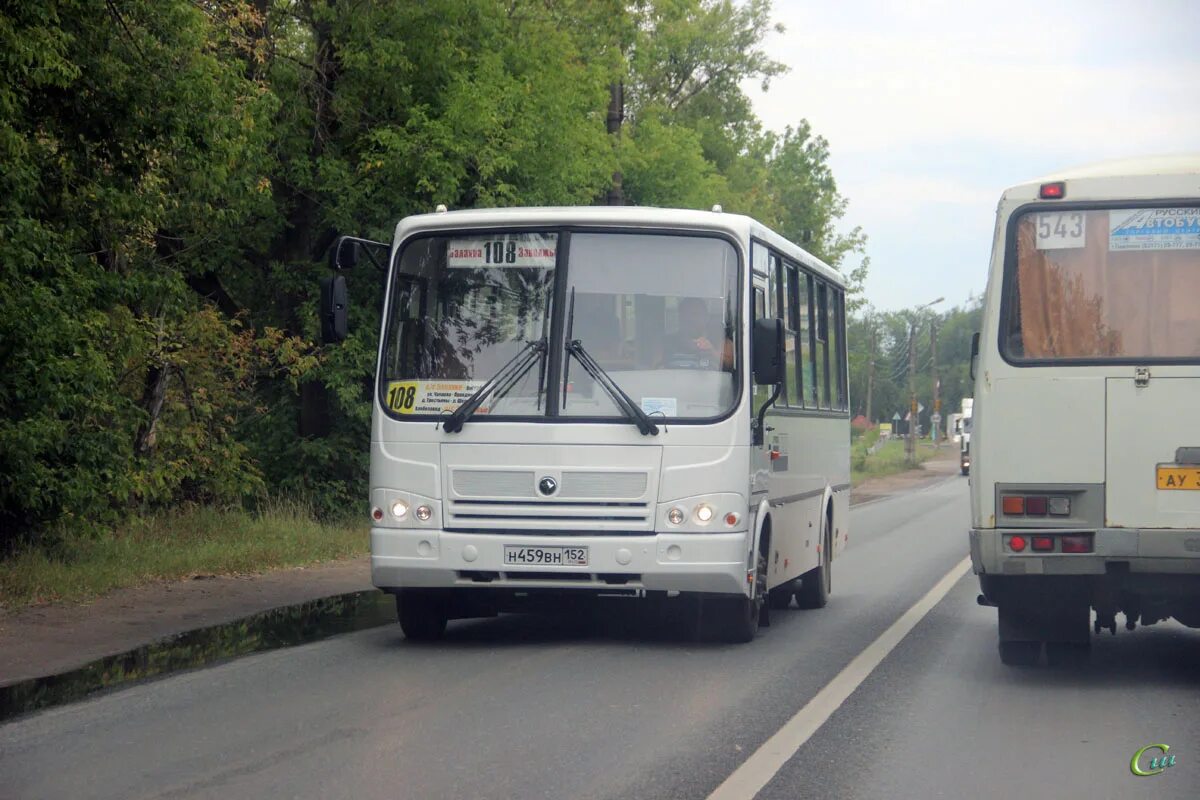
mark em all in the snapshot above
pixel 761 393
pixel 807 369
pixel 773 279
pixel 833 334
pixel 795 376
pixel 822 349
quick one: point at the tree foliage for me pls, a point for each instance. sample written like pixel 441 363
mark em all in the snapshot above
pixel 174 172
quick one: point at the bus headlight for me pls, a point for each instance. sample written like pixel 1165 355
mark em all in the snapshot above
pixel 423 513
pixel 709 513
pixel 399 509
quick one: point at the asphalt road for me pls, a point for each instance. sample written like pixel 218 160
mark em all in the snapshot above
pixel 533 707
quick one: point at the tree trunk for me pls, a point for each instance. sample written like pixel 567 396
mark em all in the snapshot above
pixel 154 393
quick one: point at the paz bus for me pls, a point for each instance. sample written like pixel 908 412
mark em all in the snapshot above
pixel 574 402
pixel 1085 473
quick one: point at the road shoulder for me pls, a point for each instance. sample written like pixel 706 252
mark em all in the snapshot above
pixel 939 467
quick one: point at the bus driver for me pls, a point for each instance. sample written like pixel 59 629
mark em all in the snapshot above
pixel 696 341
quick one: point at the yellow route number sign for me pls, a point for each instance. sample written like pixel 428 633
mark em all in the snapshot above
pixel 402 396
pixel 429 396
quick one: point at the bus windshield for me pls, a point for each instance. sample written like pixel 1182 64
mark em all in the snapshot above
pixel 1113 284
pixel 657 312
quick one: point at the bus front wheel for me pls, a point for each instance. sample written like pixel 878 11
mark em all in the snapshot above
pixel 422 614
pixel 737 618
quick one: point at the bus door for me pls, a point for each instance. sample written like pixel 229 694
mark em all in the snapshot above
pixel 1153 452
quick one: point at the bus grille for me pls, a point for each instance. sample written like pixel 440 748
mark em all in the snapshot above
pixel 547 517
pixel 585 501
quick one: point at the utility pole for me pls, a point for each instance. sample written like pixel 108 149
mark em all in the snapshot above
pixel 616 115
pixel 911 449
pixel 913 319
pixel 936 420
pixel 871 371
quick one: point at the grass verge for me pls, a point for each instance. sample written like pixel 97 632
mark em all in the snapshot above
pixel 888 459
pixel 200 541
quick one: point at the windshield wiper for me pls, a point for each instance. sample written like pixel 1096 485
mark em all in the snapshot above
pixel 623 401
pixel 501 383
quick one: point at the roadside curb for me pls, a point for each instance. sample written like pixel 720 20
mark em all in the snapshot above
pixel 277 628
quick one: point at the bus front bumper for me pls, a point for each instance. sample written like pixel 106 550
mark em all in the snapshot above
pixel 1158 551
pixel 697 562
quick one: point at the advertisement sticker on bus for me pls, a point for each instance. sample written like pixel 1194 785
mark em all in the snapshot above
pixel 528 250
pixel 1154 229
pixel 430 397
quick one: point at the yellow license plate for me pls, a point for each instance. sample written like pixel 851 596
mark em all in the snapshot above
pixel 1170 477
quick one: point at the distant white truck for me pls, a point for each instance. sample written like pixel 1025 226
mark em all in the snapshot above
pixel 954 427
pixel 963 429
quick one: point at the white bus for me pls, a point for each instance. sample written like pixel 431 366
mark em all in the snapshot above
pixel 571 401
pixel 1085 481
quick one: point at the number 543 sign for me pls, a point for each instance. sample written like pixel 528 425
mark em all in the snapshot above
pixel 1060 230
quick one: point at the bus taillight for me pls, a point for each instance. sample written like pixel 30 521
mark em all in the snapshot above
pixel 1013 505
pixel 1078 543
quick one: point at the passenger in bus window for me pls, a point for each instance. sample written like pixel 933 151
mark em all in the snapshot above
pixel 701 341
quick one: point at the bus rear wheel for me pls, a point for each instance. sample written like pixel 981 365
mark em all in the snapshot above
pixel 422 614
pixel 817 584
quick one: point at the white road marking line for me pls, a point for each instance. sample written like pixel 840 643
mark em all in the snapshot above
pixel 756 771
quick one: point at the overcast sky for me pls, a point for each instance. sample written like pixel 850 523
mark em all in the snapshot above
pixel 932 109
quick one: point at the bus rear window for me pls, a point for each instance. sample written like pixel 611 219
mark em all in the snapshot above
pixel 1116 284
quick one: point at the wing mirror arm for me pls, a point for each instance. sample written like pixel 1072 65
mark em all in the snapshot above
pixel 347 251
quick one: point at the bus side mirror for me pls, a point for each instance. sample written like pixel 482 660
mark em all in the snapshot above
pixel 333 309
pixel 974 352
pixel 767 348
pixel 344 254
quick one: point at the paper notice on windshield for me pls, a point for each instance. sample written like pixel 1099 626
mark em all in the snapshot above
pixel 1154 229
pixel 528 250
pixel 661 406
pixel 430 397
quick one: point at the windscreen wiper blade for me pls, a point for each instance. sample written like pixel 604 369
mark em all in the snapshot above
pixel 623 401
pixel 500 384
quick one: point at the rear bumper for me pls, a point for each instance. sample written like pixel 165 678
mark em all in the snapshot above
pixel 1169 552
pixel 707 562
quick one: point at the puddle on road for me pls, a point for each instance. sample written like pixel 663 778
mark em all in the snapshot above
pixel 269 630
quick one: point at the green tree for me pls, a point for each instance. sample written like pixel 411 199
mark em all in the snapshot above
pixel 133 148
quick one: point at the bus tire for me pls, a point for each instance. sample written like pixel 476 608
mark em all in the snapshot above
pixel 1019 654
pixel 737 618
pixel 422 615
pixel 817 584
